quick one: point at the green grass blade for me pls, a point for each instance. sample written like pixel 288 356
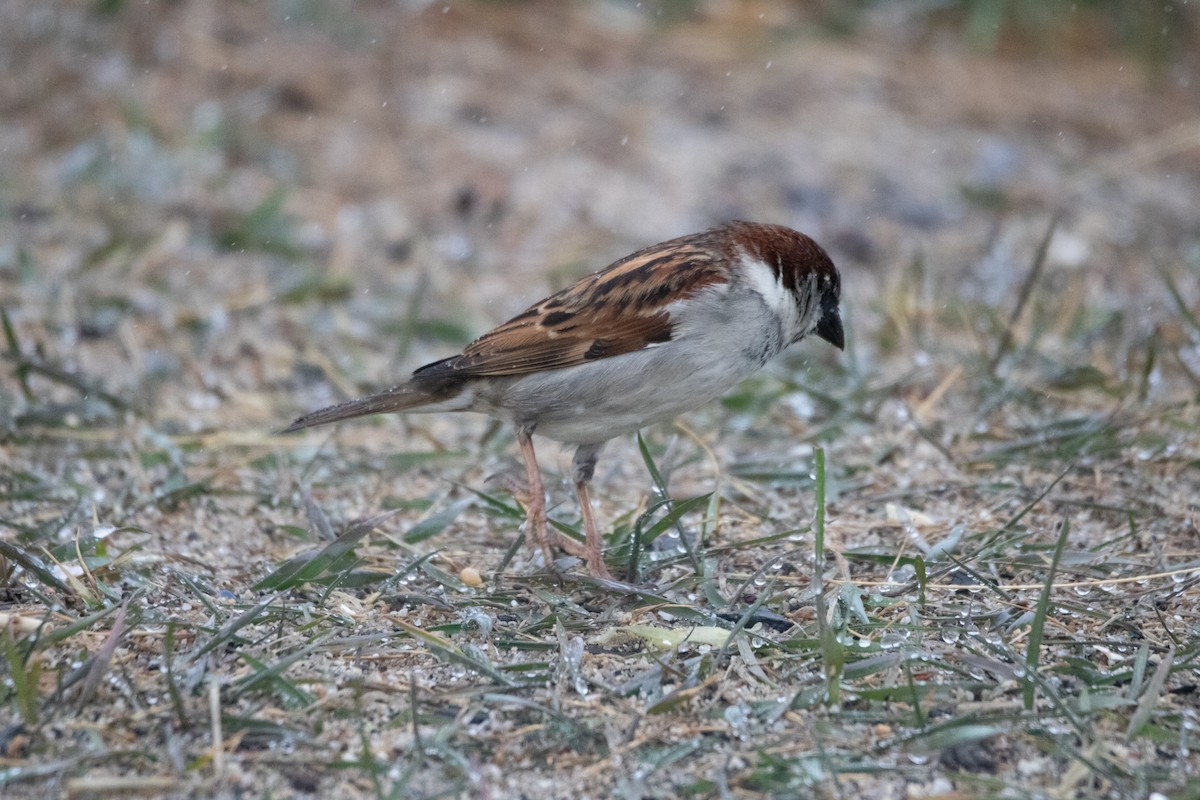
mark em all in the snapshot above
pixel 1038 627
pixel 172 683
pixel 832 655
pixel 23 671
pixel 1031 279
pixel 446 649
pixel 334 557
pixel 1151 696
pixel 434 523
pixel 660 485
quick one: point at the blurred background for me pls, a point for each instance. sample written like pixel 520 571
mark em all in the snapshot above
pixel 224 213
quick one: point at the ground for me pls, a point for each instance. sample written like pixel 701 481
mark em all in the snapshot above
pixel 215 216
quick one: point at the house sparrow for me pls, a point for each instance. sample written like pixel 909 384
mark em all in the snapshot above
pixel 659 332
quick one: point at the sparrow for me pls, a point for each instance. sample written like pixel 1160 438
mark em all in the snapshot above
pixel 659 332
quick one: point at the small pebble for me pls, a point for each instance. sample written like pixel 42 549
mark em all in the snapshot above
pixel 471 577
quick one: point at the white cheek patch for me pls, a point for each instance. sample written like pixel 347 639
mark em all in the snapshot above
pixel 763 281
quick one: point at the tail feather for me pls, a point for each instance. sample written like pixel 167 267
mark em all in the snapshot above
pixel 399 398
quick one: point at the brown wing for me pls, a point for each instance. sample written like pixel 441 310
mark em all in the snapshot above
pixel 618 310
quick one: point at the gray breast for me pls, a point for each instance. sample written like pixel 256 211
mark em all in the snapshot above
pixel 716 343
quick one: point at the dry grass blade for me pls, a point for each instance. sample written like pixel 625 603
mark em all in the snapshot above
pixel 103 657
pixel 116 785
pixel 218 738
pixel 13 776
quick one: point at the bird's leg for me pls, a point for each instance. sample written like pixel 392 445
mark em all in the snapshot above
pixel 535 509
pixel 582 468
pixel 592 548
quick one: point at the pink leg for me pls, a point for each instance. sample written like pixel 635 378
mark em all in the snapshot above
pixel 592 554
pixel 535 512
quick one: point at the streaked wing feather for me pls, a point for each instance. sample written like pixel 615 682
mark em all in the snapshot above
pixel 618 310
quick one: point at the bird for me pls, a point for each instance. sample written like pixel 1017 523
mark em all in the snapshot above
pixel 657 333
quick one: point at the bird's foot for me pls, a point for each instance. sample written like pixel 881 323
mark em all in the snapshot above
pixel 513 483
pixel 538 531
pixel 595 562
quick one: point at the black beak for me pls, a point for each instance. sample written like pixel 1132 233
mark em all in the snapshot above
pixel 830 327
